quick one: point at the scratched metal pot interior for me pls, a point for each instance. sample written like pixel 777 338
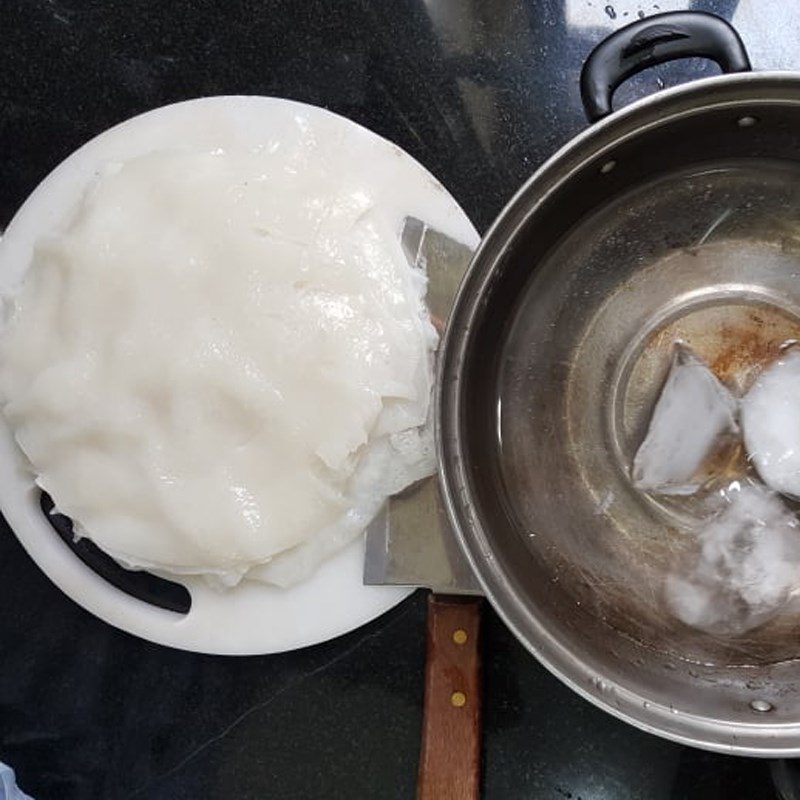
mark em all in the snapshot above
pixel 709 255
pixel 677 218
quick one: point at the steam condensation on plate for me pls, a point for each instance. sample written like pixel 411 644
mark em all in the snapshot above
pixel 694 415
pixel 746 566
pixel 771 424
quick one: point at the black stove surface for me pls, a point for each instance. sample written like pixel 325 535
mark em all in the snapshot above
pixel 479 91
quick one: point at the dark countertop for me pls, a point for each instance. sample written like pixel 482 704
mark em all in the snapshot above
pixel 479 91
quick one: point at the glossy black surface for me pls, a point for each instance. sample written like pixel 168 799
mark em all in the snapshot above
pixel 481 92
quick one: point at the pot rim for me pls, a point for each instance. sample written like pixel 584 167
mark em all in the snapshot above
pixel 759 738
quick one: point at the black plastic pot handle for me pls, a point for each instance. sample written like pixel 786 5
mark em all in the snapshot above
pixel 655 40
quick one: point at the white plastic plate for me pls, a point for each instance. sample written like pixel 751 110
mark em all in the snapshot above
pixel 251 618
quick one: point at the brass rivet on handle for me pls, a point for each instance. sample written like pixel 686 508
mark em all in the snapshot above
pixel 458 699
pixel 460 636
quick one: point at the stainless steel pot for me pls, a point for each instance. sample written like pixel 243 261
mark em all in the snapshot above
pixel 676 217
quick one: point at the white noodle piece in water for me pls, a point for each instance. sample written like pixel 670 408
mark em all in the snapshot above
pixel 694 415
pixel 223 365
pixel 747 566
pixel 771 424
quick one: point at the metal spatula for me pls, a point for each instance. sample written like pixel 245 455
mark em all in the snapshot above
pixel 411 544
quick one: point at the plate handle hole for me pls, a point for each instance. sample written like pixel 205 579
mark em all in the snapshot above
pixel 137 583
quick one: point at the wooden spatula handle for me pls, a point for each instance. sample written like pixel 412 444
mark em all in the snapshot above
pixel 449 766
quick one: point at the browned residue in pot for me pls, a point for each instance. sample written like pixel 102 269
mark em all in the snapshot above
pixel 736 341
pixel 751 343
